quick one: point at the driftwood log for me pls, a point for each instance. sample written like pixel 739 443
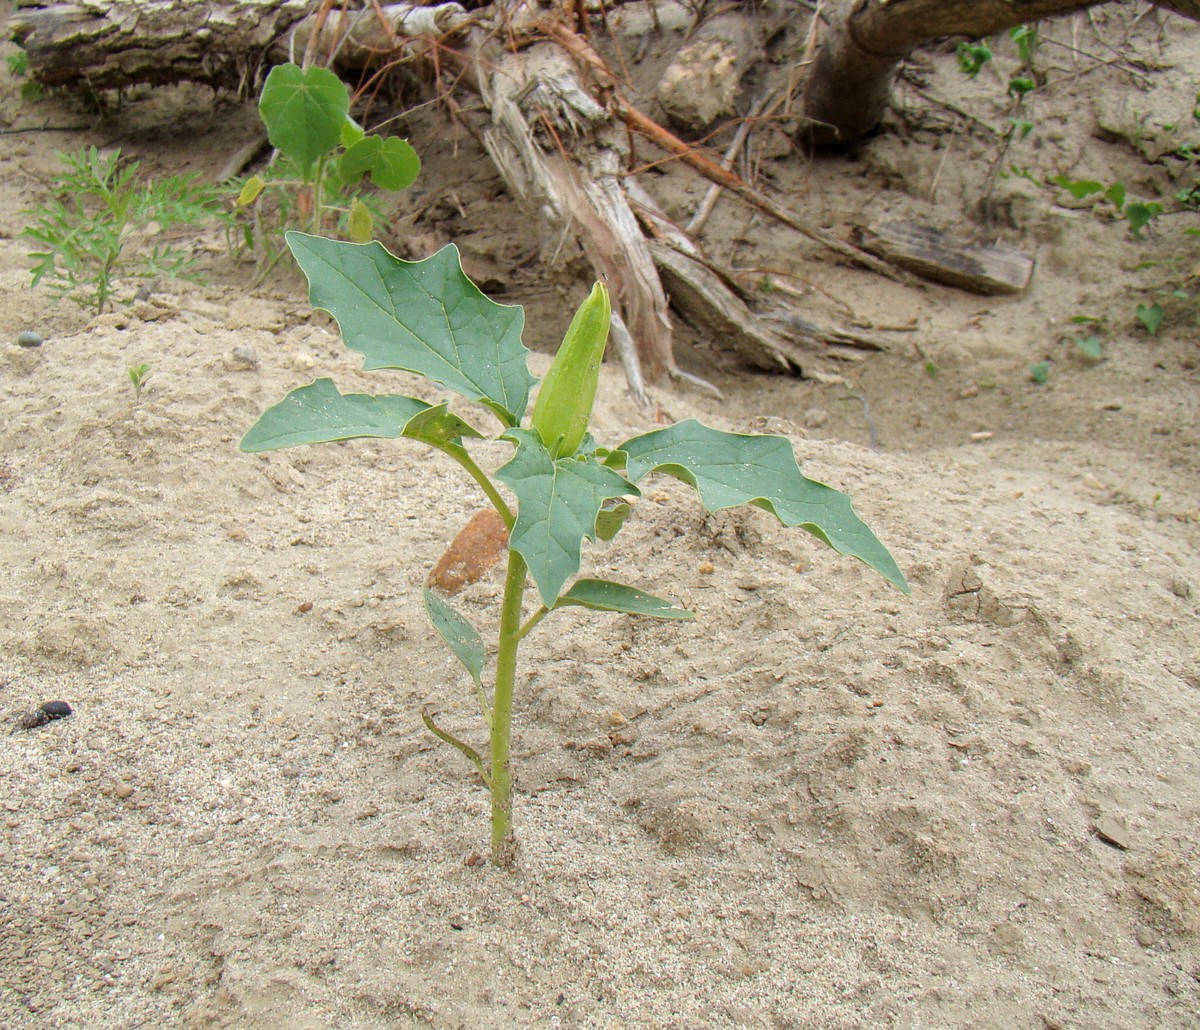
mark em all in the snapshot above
pixel 850 80
pixel 111 44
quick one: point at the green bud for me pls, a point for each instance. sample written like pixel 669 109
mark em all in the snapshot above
pixel 564 404
pixel 250 191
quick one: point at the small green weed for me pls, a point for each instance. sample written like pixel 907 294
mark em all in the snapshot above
pixel 972 57
pixel 323 158
pixel 1138 213
pixel 138 376
pixel 98 207
pixel 18 68
pixel 1151 316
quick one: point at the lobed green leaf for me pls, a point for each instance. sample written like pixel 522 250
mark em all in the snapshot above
pixel 728 469
pixel 397 167
pixel 318 413
pixel 424 316
pixel 558 504
pixel 359 158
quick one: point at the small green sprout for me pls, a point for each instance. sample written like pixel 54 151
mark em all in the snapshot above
pixel 138 376
pixel 1151 316
pixel 428 318
pixel 972 57
pixel 1138 213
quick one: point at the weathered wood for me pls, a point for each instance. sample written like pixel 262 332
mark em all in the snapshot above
pixel 704 298
pixel 702 81
pixel 110 44
pixel 851 76
pixel 936 255
pixel 107 44
pixel 709 299
pixel 375 35
pixel 580 195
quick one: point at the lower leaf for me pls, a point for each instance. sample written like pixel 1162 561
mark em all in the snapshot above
pixel 603 595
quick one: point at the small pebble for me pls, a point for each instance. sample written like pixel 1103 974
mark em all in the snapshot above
pixel 123 790
pixel 28 338
pixel 706 568
pixel 982 435
pixel 1112 831
pixel 1181 588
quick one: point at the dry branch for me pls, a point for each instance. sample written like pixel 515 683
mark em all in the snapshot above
pixel 580 195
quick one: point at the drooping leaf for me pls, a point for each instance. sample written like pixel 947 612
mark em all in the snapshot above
pixel 304 111
pixel 359 158
pixel 610 519
pixel 558 502
pixel 397 167
pixel 250 191
pixel 318 413
pixel 360 222
pixel 464 640
pixel 603 595
pixel 424 316
pixel 729 469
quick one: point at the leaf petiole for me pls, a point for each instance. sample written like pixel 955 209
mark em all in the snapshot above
pixel 459 454
pixel 453 741
pixel 532 621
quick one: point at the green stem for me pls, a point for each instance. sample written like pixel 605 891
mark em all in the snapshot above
pixel 460 455
pixel 504 847
pixel 318 190
pixel 533 620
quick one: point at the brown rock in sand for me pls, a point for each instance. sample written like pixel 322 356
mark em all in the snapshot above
pixel 479 545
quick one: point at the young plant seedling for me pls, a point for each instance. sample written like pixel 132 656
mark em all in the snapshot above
pixel 428 318
pixel 1138 213
pixel 324 155
pixel 139 375
pixel 99 205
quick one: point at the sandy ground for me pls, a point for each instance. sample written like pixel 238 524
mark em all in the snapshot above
pixel 820 804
